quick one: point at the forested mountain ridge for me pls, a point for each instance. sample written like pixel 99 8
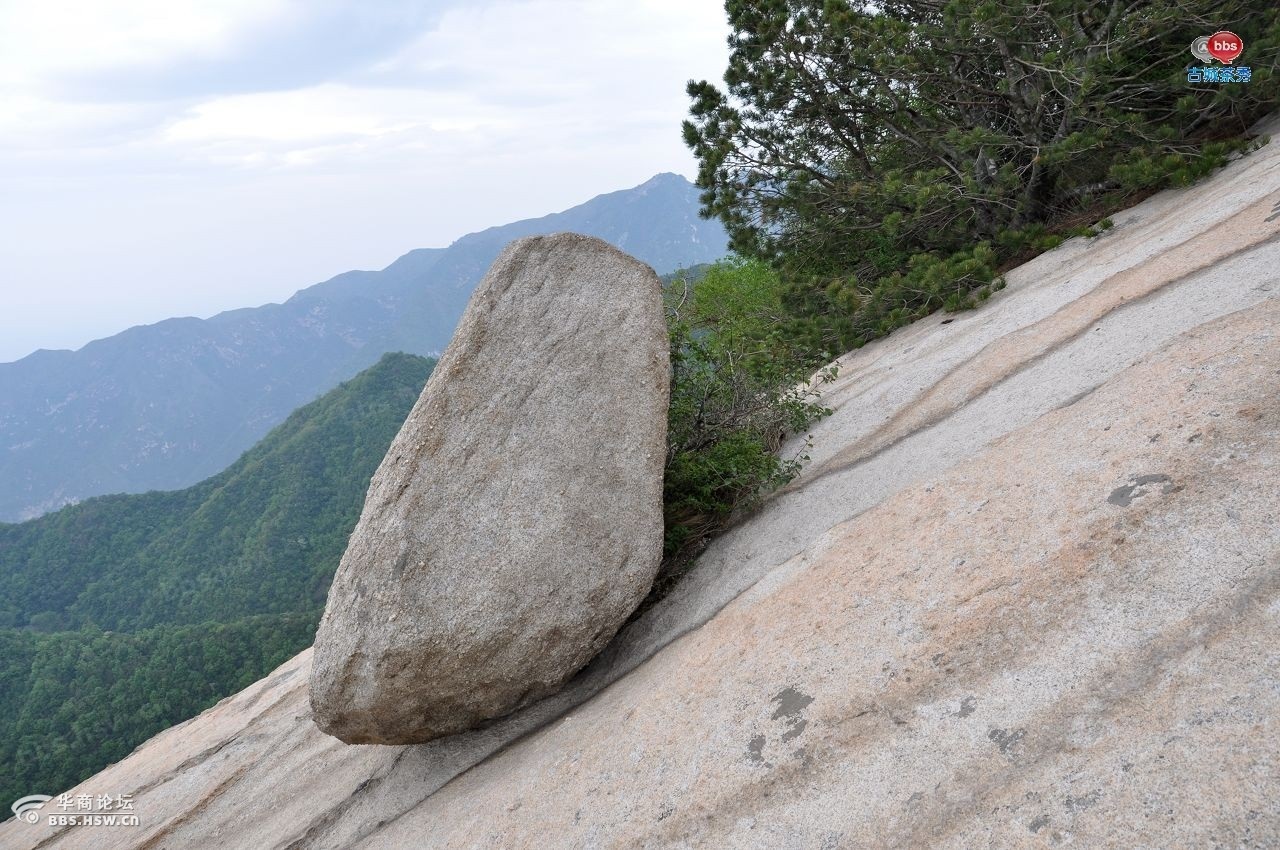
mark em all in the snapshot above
pixel 166 405
pixel 260 537
pixel 126 614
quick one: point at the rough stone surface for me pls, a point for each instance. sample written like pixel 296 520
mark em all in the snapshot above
pixel 951 632
pixel 516 521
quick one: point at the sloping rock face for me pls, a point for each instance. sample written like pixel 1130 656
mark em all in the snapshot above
pixel 1027 595
pixel 516 520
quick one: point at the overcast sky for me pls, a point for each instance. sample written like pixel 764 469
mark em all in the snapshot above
pixel 179 157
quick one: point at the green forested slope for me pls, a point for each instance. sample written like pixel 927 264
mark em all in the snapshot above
pixel 127 614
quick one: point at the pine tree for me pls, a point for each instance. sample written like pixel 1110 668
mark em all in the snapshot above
pixel 862 146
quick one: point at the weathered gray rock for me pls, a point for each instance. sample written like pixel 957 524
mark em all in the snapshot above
pixel 516 520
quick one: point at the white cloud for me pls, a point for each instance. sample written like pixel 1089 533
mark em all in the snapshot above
pixel 45 42
pixel 564 49
pixel 312 114
pixel 527 74
pixel 118 212
pixel 30 121
pixel 43 39
pixel 505 72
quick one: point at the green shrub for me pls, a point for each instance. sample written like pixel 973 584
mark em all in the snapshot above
pixel 738 388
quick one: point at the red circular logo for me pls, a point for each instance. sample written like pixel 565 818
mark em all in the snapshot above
pixel 1225 46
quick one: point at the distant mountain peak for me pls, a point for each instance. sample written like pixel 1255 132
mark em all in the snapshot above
pixel 666 178
pixel 163 406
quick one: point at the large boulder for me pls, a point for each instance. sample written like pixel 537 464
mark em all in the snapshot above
pixel 516 520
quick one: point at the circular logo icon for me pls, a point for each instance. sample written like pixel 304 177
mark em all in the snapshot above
pixel 1225 46
pixel 1200 49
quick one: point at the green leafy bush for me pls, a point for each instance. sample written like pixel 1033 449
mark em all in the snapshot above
pixel 739 387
